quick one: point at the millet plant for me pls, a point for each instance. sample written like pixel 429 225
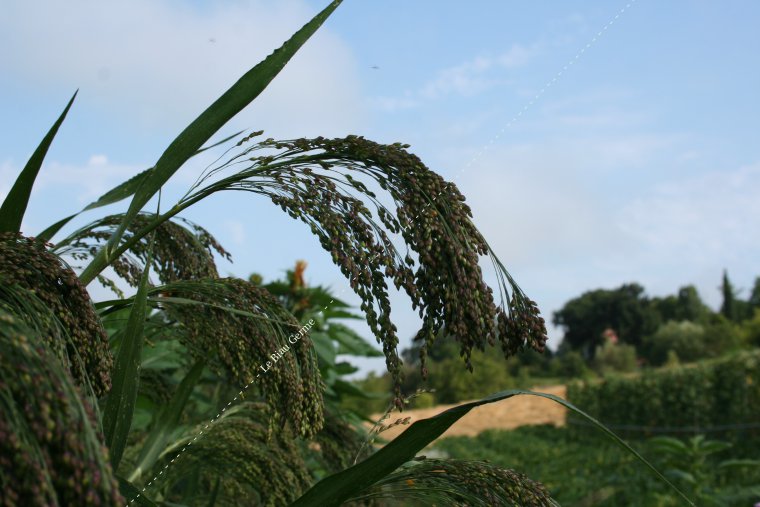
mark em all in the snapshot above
pixel 158 399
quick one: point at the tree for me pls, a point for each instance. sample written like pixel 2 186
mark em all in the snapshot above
pixel 685 338
pixel 733 308
pixel 687 305
pixel 751 329
pixel 626 310
pixel 754 297
pixel 728 308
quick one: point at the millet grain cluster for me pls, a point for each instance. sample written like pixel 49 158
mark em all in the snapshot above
pixel 180 252
pixel 28 264
pixel 50 452
pixel 312 180
pixel 237 345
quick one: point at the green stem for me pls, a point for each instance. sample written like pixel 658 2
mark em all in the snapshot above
pixel 167 422
pixel 102 259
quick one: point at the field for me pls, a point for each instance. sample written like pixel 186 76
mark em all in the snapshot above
pixel 583 468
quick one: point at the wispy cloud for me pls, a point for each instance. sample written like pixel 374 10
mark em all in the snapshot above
pixel 469 78
pixel 61 189
pixel 235 230
pixel 82 183
pixel 465 79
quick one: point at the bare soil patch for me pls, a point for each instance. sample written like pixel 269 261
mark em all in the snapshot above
pixel 505 414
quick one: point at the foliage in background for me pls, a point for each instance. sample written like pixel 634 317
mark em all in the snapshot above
pixel 615 358
pixel 627 310
pixel 581 469
pixel 687 332
pixel 654 326
pixel 491 373
pixel 333 490
pixel 723 393
pixel 710 481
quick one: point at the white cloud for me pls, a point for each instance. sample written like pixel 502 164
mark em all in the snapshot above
pixel 97 160
pixel 163 62
pixel 566 218
pixel 395 103
pixel 82 183
pixel 516 56
pixel 600 107
pixel 544 211
pixel 465 79
pixel 708 221
pixel 236 231
pixel 62 189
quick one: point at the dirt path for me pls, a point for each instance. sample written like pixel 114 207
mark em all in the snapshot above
pixel 505 414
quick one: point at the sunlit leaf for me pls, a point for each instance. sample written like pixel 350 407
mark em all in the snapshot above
pixel 14 206
pixel 340 487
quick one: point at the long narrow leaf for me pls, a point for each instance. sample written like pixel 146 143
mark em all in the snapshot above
pixel 117 416
pixel 339 487
pixel 51 231
pixel 135 497
pixel 167 422
pixel 215 493
pixel 106 307
pixel 14 206
pixel 247 88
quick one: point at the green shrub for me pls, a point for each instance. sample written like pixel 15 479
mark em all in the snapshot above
pixel 571 365
pixel 577 469
pixel 751 329
pixel 585 469
pixel 715 394
pixel 685 338
pixel 722 336
pixel 612 357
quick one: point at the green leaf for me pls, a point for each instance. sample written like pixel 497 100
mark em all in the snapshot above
pixel 330 313
pixel 338 488
pixel 682 475
pixel 245 90
pixel 163 355
pixel 324 347
pixel 350 342
pixel 669 445
pixel 219 143
pixel 345 368
pixel 712 446
pixel 107 307
pixel 116 194
pixel 133 495
pixel 739 463
pixel 214 493
pixel 117 416
pixel 14 206
pixel 347 388
pixel 321 297
pixel 166 422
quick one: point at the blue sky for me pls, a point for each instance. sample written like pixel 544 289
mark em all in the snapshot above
pixel 640 161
